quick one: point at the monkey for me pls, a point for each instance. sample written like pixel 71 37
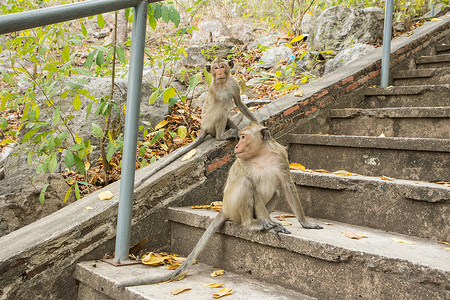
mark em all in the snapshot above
pixel 224 89
pixel 257 180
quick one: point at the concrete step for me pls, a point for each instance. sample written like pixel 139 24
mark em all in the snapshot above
pixel 322 263
pixel 421 77
pixel 420 122
pixel 406 158
pixel 443 48
pixel 433 61
pixel 99 283
pixel 407 96
pixel 408 207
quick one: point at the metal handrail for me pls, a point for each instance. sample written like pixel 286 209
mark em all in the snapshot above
pixel 51 15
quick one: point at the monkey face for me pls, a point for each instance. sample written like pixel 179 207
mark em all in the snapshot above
pixel 220 72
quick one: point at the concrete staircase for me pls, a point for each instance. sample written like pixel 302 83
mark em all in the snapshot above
pixel 396 144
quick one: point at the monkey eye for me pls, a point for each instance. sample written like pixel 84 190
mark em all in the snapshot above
pixel 216 67
pixel 242 137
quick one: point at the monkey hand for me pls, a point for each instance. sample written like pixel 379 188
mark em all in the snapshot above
pixel 308 225
pixel 279 229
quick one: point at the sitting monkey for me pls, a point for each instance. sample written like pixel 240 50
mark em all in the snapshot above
pixel 224 89
pixel 257 180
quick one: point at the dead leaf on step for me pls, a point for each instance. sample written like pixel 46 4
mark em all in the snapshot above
pixel 216 205
pixel 213 285
pixel 327 223
pixel 281 217
pixel 382 135
pixel 299 93
pixel 223 292
pixel 202 206
pixel 448 249
pixel 320 171
pixel 402 241
pixel 297 166
pixel 217 273
pixel 352 235
pixel 88 208
pixel 179 291
pixel 179 277
pixel 445 243
pixel 285 223
pixel 162 258
pixel 105 195
pixel 387 178
pixel 435 19
pixel 345 173
pixel 189 155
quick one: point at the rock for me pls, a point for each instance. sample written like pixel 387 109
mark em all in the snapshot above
pixel 242 32
pixel 262 42
pixel 273 55
pixel 347 55
pixel 209 31
pixel 308 23
pixel 340 26
pixel 199 56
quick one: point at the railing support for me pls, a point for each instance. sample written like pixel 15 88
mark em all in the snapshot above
pixel 131 129
pixel 387 34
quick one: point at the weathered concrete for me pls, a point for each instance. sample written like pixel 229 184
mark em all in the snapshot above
pixel 428 76
pixel 322 263
pixel 434 61
pixel 419 122
pixel 407 96
pixel 405 158
pixel 422 207
pixel 99 281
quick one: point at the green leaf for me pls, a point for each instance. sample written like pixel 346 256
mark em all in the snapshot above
pixel 83 31
pixel 66 54
pixel 76 103
pixel 73 85
pixel 89 60
pixel 6 141
pixel 174 16
pixel 208 76
pixel 168 93
pixel 99 60
pixel 100 21
pixel 297 38
pixel 182 132
pixel 66 197
pixel 42 194
pixel 79 164
pixel 29 135
pixel 56 115
pixel 96 130
pixel 159 134
pixel 52 163
pixel 165 13
pixel 152 22
pixel 110 150
pixel 3 123
pixel 153 97
pixel 195 80
pixel 156 10
pixel 121 54
pixel 77 191
pixel 278 85
pixel 7 78
pixel 83 71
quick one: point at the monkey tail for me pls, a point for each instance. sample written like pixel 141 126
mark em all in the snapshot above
pixel 169 160
pixel 181 270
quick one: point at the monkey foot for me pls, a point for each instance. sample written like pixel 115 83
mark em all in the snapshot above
pixel 311 226
pixel 279 229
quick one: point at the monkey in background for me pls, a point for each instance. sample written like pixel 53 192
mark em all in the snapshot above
pixel 224 89
pixel 257 180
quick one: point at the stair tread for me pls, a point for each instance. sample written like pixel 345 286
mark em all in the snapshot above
pixel 433 58
pixel 418 73
pixel 104 277
pixel 399 143
pixel 398 112
pixel 405 90
pixel 331 244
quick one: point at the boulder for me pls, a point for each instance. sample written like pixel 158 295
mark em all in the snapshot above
pixel 209 31
pixel 273 55
pixel 340 26
pixel 347 55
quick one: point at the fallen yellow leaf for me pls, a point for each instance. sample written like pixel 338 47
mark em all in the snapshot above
pixel 285 223
pixel 88 208
pixel 448 249
pixel 296 166
pixel 179 291
pixel 402 241
pixel 387 178
pixel 352 235
pixel 382 135
pixel 202 206
pixel 299 93
pixel 223 292
pixel 213 285
pixel 161 124
pixel 189 155
pixel 320 171
pixel 445 243
pixel 343 173
pixel 106 195
pixel 217 273
pixel 327 223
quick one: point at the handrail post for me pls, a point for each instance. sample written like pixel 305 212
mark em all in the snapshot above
pixel 131 128
pixel 387 34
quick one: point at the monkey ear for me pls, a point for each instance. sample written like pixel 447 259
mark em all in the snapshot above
pixel 208 68
pixel 231 64
pixel 265 133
